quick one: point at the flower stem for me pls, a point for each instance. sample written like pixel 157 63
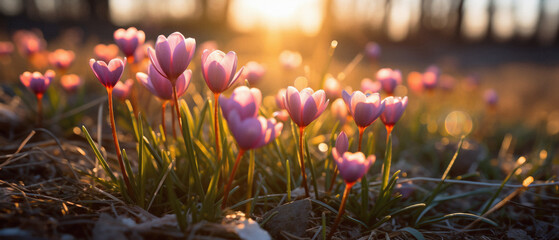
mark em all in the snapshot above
pixel 361 131
pixel 333 178
pixel 39 109
pixel 117 146
pixel 341 210
pixel 231 177
pixel 164 133
pixel 176 99
pixel 387 157
pixel 173 122
pixel 216 127
pixel 303 172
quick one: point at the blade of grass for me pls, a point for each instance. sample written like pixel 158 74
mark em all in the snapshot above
pixel 104 163
pixel 311 167
pixel 186 134
pixel 458 215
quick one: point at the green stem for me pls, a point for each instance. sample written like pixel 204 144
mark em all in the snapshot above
pixel 387 157
pixel 216 127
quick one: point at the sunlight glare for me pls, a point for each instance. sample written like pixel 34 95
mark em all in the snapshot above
pixel 302 15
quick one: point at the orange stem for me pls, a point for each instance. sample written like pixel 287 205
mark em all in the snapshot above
pixel 117 146
pixel 361 131
pixel 39 109
pixel 175 98
pixel 388 132
pixel 302 161
pixel 231 177
pixel 341 210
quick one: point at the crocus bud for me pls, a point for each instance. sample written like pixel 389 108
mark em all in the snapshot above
pixel 128 40
pixel 305 106
pixel 253 132
pixel 364 109
pixel 332 88
pixel 219 69
pixel 280 98
pixel 6 48
pixel 393 110
pixel 352 166
pixel 246 102
pixel 70 82
pixel 431 77
pixel 37 82
pixel 29 42
pixel 253 72
pixel 105 52
pixel 290 59
pixel 415 82
pixel 281 115
pixel 342 143
pixel 370 86
pixel 160 86
pixel 108 75
pixel 389 79
pixel 339 110
pixel 372 51
pixel 61 58
pixel 122 90
pixel 491 98
pixel 172 55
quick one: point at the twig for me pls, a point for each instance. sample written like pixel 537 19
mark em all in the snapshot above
pixel 426 179
pixel 19 148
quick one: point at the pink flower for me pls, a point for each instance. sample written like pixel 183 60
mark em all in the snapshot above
pixel 490 96
pixel 332 88
pixel 105 52
pixel 122 90
pixel 37 82
pixel 342 143
pixel 253 72
pixel 108 75
pixel 431 77
pixel 281 115
pixel 339 110
pixel 29 42
pixel 160 86
pixel 290 59
pixel 128 40
pixel 172 55
pixel 6 48
pixel 415 82
pixel 305 106
pixel 364 109
pixel 280 98
pixel 352 166
pixel 70 82
pixel 219 69
pixel 246 102
pixel 141 52
pixel 389 79
pixel 393 110
pixel 370 86
pixel 61 58
pixel 372 50
pixel 253 132
pixel 447 82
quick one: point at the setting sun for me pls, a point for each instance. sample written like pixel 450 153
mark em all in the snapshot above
pixel 301 15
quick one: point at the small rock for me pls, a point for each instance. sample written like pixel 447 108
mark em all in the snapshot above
pixel 292 217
